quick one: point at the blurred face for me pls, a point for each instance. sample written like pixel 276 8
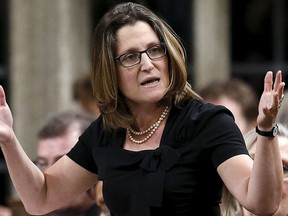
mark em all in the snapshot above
pixel 283 208
pixel 147 81
pixel 52 149
pixel 236 110
pixel 283 145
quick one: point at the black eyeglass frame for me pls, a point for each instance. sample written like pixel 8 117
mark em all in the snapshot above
pixel 140 55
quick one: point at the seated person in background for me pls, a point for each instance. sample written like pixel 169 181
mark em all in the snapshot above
pixel 241 100
pixel 238 97
pixel 56 138
pixel 83 95
pixel 230 207
pixel 5 211
pixel 250 139
pixel 283 112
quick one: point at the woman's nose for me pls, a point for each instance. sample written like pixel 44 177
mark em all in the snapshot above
pixel 146 63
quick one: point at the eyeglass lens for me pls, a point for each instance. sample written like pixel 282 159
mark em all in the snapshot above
pixel 130 59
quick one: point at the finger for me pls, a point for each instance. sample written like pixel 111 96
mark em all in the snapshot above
pixel 279 95
pixel 2 96
pixel 268 81
pixel 280 91
pixel 278 80
pixel 276 99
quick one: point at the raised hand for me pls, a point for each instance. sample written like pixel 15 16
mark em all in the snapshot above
pixel 6 120
pixel 270 101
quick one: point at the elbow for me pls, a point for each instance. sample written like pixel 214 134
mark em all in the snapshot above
pixel 268 208
pixel 266 211
pixel 36 210
pixel 269 204
pixel 31 211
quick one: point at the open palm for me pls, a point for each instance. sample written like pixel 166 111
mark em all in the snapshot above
pixel 270 100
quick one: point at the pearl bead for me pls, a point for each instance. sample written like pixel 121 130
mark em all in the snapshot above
pixel 152 129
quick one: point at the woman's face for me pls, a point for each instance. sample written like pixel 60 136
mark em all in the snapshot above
pixel 147 81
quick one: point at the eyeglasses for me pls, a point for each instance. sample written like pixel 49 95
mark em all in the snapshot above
pixel 131 59
pixel 285 170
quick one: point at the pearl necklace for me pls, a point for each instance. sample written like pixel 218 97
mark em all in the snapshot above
pixel 152 129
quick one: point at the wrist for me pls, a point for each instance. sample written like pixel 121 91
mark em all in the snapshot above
pixel 272 132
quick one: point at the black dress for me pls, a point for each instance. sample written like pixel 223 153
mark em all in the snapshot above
pixel 179 177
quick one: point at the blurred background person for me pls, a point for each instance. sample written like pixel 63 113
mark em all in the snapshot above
pixel 5 211
pixel 241 100
pixel 283 112
pixel 283 145
pixel 230 206
pixel 238 97
pixel 83 95
pixel 57 136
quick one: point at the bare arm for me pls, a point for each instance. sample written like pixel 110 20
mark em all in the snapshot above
pixel 39 192
pixel 258 185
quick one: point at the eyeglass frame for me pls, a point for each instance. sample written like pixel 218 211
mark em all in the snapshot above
pixel 140 55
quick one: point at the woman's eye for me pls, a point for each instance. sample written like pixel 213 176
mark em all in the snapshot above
pixel 131 57
pixel 154 50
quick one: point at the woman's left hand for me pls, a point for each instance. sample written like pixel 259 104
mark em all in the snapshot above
pixel 270 101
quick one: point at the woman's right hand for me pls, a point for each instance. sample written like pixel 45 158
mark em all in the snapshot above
pixel 6 120
pixel 270 101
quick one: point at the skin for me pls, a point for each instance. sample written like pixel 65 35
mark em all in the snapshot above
pixel 247 181
pixel 4 211
pixel 49 151
pixel 143 100
pixel 137 38
pixel 256 181
pixel 283 207
pixel 100 199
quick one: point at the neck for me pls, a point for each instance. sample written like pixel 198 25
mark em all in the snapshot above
pixel 145 117
pixel 142 136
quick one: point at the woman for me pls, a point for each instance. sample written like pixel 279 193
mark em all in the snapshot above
pixel 251 138
pixel 157 147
